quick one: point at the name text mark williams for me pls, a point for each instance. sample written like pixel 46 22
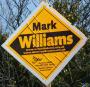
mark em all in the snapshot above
pixel 49 39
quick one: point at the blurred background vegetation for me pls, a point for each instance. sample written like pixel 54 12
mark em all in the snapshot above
pixel 75 74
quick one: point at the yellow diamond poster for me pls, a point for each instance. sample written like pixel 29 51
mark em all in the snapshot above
pixel 45 42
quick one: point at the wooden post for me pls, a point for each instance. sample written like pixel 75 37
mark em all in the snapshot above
pixel 46 1
pixel 48 85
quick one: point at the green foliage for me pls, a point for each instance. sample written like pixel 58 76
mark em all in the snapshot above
pixel 13 73
pixel 77 72
pixel 68 9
